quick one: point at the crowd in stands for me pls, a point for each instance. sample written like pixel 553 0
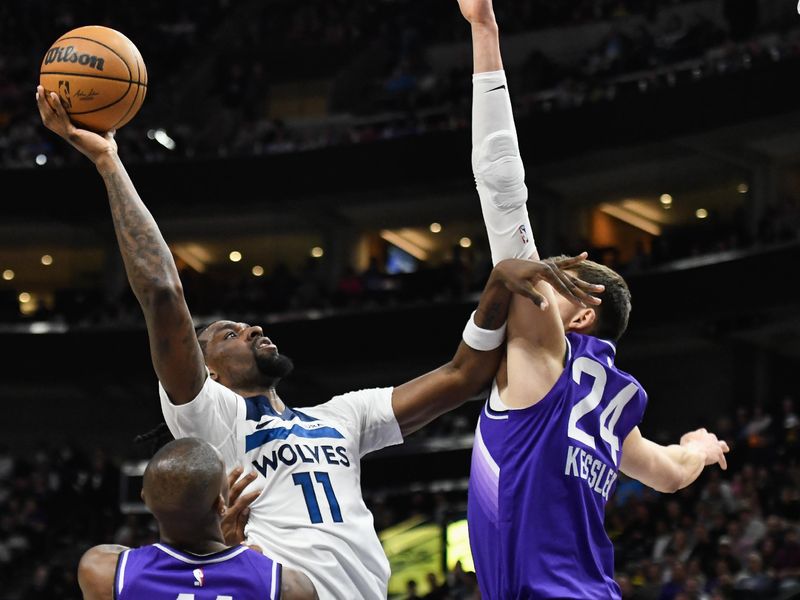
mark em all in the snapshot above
pixel 373 56
pixel 732 535
pixel 287 292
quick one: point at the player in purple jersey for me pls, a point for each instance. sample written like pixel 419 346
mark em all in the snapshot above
pixel 561 420
pixel 185 487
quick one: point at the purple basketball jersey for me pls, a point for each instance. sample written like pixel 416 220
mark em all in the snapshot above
pixel 160 572
pixel 540 479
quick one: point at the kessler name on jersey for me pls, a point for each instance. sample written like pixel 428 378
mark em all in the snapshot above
pixel 597 474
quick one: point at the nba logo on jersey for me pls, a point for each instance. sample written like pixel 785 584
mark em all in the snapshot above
pixel 523 233
pixel 198 577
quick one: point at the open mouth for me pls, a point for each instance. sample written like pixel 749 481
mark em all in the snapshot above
pixel 265 344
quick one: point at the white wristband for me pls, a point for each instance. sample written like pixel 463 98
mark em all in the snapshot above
pixel 483 339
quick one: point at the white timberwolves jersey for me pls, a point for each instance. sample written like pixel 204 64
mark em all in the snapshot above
pixel 311 515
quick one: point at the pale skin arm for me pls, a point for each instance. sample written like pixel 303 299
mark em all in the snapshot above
pixel 485 35
pixel 152 274
pixel 671 468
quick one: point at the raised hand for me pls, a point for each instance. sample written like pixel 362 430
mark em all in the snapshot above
pixel 238 511
pixel 55 118
pixel 477 11
pixel 705 442
pixel 520 277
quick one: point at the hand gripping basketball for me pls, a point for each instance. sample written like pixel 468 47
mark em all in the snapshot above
pixel 56 119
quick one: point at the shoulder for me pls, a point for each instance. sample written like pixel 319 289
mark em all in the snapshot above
pixel 96 570
pixel 352 402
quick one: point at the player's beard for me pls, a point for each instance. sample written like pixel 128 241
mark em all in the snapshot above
pixel 273 367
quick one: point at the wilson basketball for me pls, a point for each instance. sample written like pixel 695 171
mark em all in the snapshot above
pixel 99 75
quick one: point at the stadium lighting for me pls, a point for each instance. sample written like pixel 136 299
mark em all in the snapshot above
pixel 701 213
pixel 742 188
pixel 257 270
pixel 41 159
pixel 235 256
pixel 465 242
pixel 435 227
pixel 8 274
pixel 666 199
pixel 47 260
pixel 164 139
pixel 24 298
pixel 317 252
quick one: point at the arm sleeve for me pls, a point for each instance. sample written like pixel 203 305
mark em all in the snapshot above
pixel 211 416
pixel 369 417
pixel 498 169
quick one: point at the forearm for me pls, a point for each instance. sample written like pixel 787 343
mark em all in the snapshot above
pixel 687 462
pixel 148 260
pixel 492 311
pixel 496 160
pixel 486 47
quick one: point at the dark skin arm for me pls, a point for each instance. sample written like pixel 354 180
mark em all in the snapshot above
pixel 425 398
pixel 96 571
pixel 151 270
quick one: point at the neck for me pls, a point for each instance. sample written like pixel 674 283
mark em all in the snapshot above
pixel 203 540
pixel 271 394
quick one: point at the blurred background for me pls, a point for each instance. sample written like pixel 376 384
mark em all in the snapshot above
pixel 309 164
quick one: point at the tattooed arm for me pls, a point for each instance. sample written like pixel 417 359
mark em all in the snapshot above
pixel 425 398
pixel 151 270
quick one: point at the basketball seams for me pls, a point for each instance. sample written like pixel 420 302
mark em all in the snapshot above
pixel 118 100
pixel 122 121
pixel 115 46
pixel 79 37
pixel 92 77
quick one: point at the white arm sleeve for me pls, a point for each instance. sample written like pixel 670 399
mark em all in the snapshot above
pixel 369 417
pixel 497 166
pixel 212 416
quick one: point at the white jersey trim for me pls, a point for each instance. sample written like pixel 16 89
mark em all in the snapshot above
pixel 207 561
pixel 274 585
pixel 479 443
pixel 121 574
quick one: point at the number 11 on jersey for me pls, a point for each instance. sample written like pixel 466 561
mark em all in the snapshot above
pixel 322 478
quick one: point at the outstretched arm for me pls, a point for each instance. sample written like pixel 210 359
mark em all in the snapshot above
pixel 496 161
pixel 671 468
pixel 420 401
pixel 151 270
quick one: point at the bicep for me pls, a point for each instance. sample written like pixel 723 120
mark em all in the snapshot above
pixel 536 347
pixel 297 586
pixel 421 400
pixel 174 349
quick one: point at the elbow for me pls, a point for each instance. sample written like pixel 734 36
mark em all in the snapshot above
pixel 162 294
pixel 671 484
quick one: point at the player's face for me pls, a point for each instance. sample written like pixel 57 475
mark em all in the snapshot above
pixel 241 356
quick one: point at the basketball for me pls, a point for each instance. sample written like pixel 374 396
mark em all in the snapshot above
pixel 99 75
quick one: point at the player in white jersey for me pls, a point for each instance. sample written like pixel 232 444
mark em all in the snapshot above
pixel 219 386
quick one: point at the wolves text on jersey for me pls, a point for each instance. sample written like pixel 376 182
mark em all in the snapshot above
pixel 291 454
pixel 592 470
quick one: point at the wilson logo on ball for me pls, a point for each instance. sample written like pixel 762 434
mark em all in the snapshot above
pixel 67 54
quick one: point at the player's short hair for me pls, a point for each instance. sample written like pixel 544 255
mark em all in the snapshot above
pixel 613 313
pixel 182 473
pixel 199 331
